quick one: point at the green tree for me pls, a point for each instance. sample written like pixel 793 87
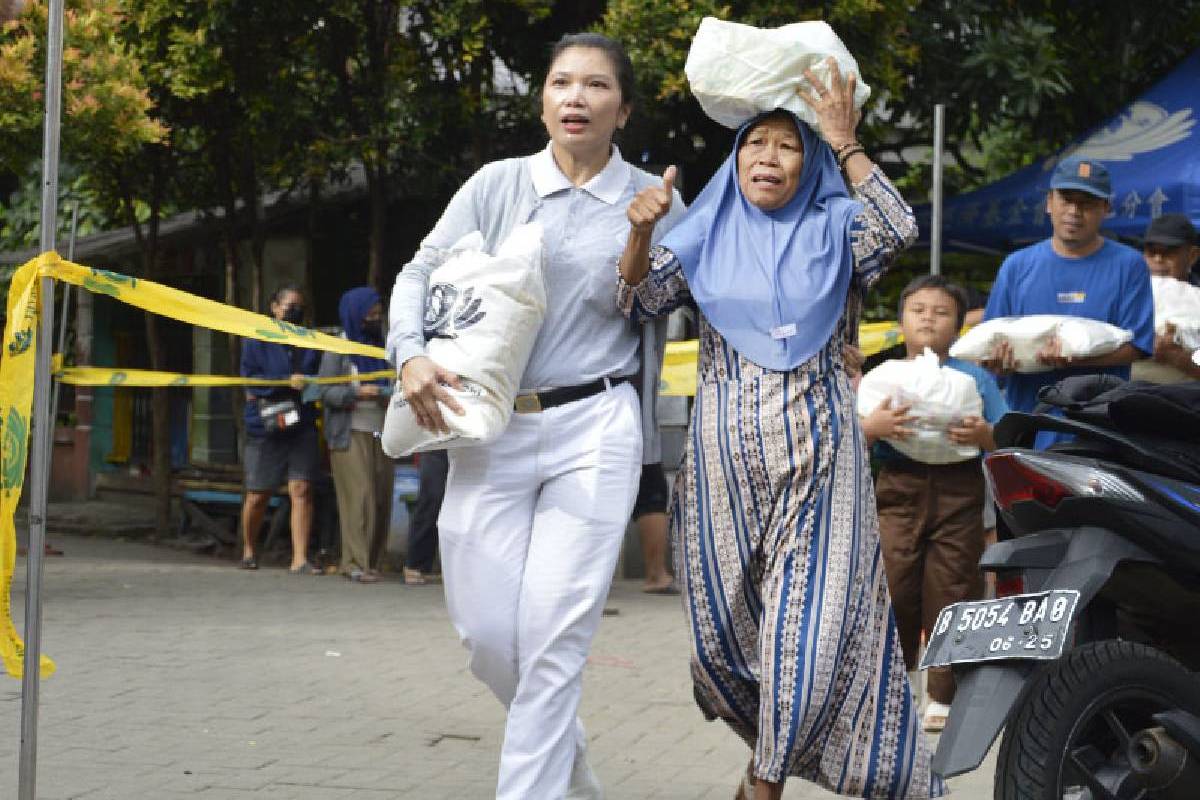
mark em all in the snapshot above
pixel 1019 78
pixel 408 91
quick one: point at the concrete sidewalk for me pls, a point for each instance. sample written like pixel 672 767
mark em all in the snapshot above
pixel 181 676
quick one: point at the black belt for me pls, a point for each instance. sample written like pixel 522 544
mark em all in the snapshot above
pixel 540 401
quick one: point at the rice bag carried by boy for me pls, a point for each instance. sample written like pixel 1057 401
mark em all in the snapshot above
pixel 482 315
pixel 737 71
pixel 939 398
pixel 1078 337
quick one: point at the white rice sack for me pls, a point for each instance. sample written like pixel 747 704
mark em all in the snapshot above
pixel 1177 303
pixel 738 71
pixel 482 315
pixel 1078 338
pixel 939 397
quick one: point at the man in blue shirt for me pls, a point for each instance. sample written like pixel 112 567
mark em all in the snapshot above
pixel 1076 272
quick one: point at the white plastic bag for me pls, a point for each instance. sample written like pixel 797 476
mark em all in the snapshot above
pixel 1177 303
pixel 737 71
pixel 1078 337
pixel 482 316
pixel 939 398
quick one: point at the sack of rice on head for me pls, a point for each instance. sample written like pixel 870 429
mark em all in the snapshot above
pixel 482 315
pixel 939 398
pixel 1078 337
pixel 738 71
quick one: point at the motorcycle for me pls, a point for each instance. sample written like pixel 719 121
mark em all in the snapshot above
pixel 1087 658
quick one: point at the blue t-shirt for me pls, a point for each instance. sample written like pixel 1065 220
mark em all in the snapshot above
pixel 1111 285
pixel 994 405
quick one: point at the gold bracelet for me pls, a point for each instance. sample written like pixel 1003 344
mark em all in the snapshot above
pixel 837 153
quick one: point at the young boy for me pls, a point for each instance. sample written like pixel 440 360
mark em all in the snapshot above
pixel 931 515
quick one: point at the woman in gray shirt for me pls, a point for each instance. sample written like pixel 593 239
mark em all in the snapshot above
pixel 532 524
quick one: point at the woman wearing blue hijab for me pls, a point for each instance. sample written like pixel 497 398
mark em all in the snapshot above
pixel 794 643
pixel 362 474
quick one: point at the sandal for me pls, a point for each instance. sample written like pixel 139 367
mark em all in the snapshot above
pixel 414 577
pixel 935 717
pixel 304 569
pixel 358 576
pixel 248 563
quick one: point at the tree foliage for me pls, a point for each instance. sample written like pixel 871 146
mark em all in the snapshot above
pixel 1019 78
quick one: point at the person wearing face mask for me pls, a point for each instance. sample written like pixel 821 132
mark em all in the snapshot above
pixel 281 434
pixel 362 474
pixel 532 523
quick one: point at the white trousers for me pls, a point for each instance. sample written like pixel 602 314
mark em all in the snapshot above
pixel 530 530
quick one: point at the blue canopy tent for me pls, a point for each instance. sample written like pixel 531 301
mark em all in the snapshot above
pixel 1151 148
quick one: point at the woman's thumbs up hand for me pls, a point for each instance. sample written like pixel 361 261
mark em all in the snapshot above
pixel 652 204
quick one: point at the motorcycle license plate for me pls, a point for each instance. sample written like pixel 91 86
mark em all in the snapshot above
pixel 1023 626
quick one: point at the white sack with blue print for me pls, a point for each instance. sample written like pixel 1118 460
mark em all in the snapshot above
pixel 1078 337
pixel 738 71
pixel 939 398
pixel 482 315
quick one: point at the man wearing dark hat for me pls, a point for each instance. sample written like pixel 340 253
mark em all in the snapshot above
pixel 1076 272
pixel 1171 248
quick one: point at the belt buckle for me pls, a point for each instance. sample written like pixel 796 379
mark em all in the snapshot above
pixel 527 404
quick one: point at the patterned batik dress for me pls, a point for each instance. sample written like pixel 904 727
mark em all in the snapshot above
pixel 777 543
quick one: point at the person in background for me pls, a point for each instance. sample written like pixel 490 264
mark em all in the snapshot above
pixel 1076 272
pixel 423 533
pixel 650 507
pixel 1171 248
pixel 931 516
pixel 362 474
pixel 650 516
pixel 288 451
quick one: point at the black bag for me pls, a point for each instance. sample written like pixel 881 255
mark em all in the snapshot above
pixel 278 415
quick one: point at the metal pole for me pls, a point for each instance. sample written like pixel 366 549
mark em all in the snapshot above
pixel 39 468
pixel 62 323
pixel 935 233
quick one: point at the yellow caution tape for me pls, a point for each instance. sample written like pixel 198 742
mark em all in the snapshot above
pixel 107 376
pixel 16 400
pixel 678 376
pixel 17 368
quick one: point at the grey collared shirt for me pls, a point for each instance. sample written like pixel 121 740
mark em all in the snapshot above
pixel 584 335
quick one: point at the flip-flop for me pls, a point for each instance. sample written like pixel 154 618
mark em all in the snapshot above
pixel 665 590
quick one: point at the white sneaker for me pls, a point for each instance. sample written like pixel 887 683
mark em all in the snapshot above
pixel 584 783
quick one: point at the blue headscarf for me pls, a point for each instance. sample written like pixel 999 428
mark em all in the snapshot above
pixel 352 308
pixel 774 283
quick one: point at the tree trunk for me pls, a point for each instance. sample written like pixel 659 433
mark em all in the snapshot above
pixel 160 405
pixel 160 412
pixel 377 191
pixel 236 398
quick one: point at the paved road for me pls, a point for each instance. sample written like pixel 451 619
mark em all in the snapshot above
pixel 180 676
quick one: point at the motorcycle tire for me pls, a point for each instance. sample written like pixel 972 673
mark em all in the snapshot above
pixel 1086 687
